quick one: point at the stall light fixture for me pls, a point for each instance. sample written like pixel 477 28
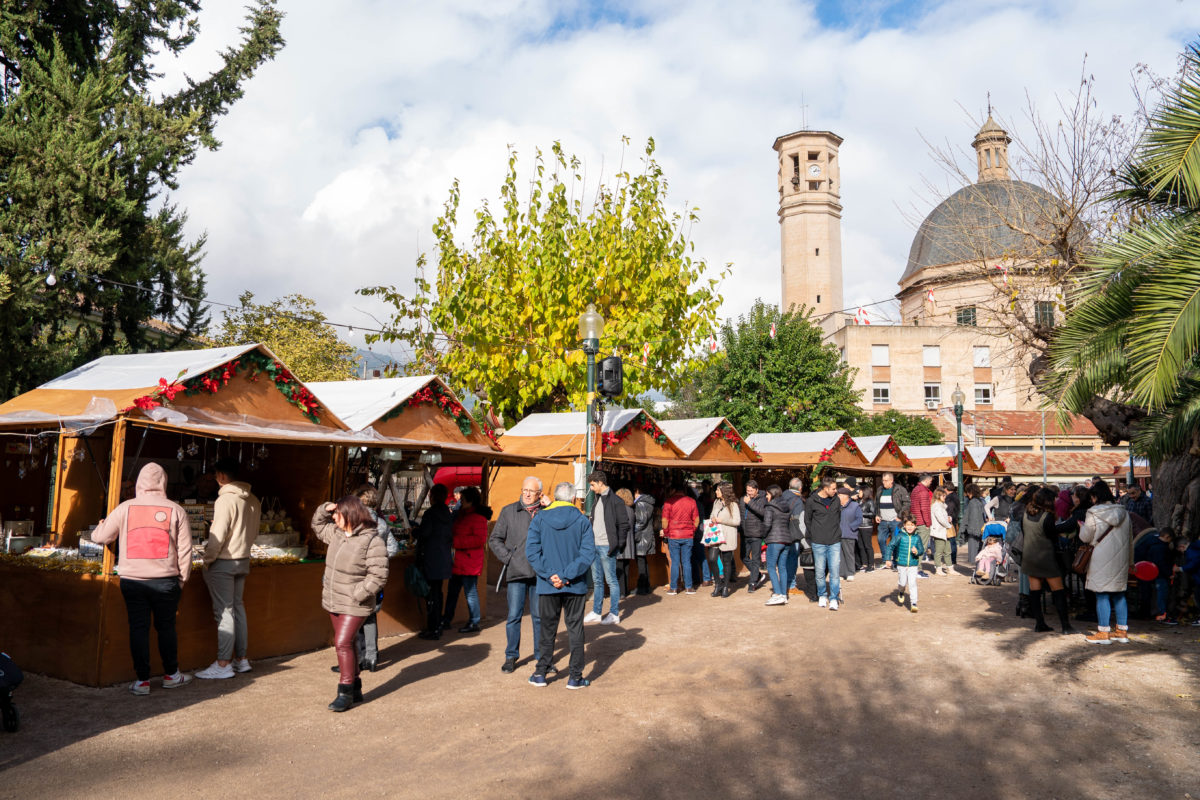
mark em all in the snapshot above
pixel 391 454
pixel 431 458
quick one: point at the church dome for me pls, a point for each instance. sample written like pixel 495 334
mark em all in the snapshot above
pixel 989 219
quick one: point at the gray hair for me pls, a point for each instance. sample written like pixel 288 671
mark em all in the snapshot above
pixel 795 484
pixel 532 478
pixel 564 492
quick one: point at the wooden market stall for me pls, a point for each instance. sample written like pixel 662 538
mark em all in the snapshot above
pixel 883 454
pixel 785 454
pixel 710 439
pixel 182 410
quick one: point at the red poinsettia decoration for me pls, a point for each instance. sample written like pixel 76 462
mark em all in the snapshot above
pixel 435 394
pixel 723 431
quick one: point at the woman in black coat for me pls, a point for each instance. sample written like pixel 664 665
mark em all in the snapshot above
pixel 643 538
pixel 779 542
pixel 865 546
pixel 434 537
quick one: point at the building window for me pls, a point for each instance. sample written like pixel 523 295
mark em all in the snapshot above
pixel 932 355
pixel 983 356
pixel 879 355
pixel 814 186
pixel 1044 313
pixel 881 394
pixel 812 155
pixel 983 394
pixel 933 394
pixel 965 315
pixel 818 251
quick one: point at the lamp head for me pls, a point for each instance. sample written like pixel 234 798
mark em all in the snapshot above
pixel 591 324
pixel 957 397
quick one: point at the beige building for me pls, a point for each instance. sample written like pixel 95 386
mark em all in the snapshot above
pixel 972 265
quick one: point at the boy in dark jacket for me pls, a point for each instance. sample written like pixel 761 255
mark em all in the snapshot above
pixel 905 551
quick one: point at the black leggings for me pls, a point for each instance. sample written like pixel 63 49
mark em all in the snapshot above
pixel 866 548
pixel 643 574
pixel 715 554
pixel 433 605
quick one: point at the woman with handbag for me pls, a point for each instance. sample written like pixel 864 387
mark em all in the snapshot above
pixel 726 516
pixel 1104 555
pixel 1040 561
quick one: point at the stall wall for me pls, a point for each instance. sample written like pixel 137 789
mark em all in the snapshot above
pixel 81 497
pixel 428 423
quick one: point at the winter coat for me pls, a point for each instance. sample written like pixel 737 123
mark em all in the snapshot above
pixel 435 537
pixel 236 515
pixel 975 518
pixel 775 520
pixel 1038 559
pixel 680 514
pixel 154 539
pixel 922 499
pixel 470 536
pixel 753 525
pixel 1108 571
pixel 900 500
pixel 356 566
pixel 616 521
pixel 1156 551
pixel 728 517
pixel 851 520
pixel 940 529
pixel 823 519
pixel 868 513
pixel 643 524
pixel 560 542
pixel 629 550
pixel 507 540
pixel 1191 561
pixel 901 547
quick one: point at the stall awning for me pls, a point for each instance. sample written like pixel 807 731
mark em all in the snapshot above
pixel 629 434
pixel 709 439
pixel 807 449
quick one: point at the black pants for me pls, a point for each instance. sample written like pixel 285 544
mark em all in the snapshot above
pixel 643 566
pixel 865 550
pixel 697 560
pixel 753 559
pixel 157 598
pixel 720 571
pixel 434 604
pixel 623 576
pixel 571 607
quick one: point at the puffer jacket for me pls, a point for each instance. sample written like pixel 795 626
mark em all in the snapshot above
pixel 470 537
pixel 356 566
pixel 1108 571
pixel 901 547
pixel 775 519
pixel 643 524
pixel 728 517
pixel 753 524
pixel 940 529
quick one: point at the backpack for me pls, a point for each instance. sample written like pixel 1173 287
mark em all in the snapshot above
pixel 414 579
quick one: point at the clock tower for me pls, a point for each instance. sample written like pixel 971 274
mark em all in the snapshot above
pixel 810 223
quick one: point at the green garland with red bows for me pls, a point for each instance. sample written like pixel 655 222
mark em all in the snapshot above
pixel 435 394
pixel 642 422
pixel 723 431
pixel 895 450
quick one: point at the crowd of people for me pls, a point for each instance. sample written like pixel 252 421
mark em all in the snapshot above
pixel 555 557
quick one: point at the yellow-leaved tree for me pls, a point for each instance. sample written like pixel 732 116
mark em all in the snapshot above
pixel 295 331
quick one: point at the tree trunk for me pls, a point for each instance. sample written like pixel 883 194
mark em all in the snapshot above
pixel 1177 494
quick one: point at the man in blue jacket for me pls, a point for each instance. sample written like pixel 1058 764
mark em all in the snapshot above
pixel 560 547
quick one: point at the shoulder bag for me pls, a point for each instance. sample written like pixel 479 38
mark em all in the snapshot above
pixel 1083 556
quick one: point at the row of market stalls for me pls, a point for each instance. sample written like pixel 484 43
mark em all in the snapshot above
pixel 74 446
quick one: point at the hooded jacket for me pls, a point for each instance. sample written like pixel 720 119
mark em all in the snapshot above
pixel 753 512
pixel 775 522
pixel 560 542
pixel 900 548
pixel 356 566
pixel 435 537
pixel 470 538
pixel 154 539
pixel 1108 571
pixel 236 515
pixel 507 540
pixel 643 524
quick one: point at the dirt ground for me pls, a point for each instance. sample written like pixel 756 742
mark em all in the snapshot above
pixel 692 697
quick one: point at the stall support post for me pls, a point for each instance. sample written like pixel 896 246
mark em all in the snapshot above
pixel 116 467
pixel 59 478
pixel 1131 477
pixel 590 347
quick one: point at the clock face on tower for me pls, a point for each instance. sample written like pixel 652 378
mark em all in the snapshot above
pixel 814 170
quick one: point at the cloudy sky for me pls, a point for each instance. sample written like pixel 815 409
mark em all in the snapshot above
pixel 338 159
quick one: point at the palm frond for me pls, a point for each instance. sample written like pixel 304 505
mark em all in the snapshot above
pixel 1170 430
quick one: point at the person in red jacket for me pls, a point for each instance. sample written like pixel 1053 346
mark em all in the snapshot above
pixel 470 538
pixel 921 502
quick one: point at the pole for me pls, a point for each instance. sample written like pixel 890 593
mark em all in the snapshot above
pixel 1131 478
pixel 590 347
pixel 1043 445
pixel 962 506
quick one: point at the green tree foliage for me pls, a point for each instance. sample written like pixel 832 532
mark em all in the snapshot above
pixel 503 321
pixel 295 331
pixel 87 155
pixel 791 382
pixel 904 428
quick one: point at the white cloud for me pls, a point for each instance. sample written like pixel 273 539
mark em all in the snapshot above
pixel 337 161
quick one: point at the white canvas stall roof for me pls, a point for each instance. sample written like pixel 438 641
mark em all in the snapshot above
pixel 1137 462
pixel 361 403
pixel 929 450
pixel 871 445
pixel 688 434
pixel 571 423
pixel 138 370
pixel 812 442
pixel 977 454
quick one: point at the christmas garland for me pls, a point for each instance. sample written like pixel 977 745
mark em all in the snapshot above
pixel 995 459
pixel 723 431
pixel 825 461
pixel 895 450
pixel 435 394
pixel 640 421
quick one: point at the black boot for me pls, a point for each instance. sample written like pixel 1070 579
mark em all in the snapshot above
pixel 1022 606
pixel 358 698
pixel 344 699
pixel 1035 605
pixel 1059 598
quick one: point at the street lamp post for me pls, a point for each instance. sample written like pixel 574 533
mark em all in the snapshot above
pixel 957 397
pixel 591 330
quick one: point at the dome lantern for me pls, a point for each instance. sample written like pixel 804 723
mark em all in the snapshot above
pixel 991 151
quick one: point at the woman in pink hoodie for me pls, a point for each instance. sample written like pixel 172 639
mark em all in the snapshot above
pixel 154 558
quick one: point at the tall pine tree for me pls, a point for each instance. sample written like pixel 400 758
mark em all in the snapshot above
pixel 90 245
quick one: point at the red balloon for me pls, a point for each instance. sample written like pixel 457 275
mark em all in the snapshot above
pixel 1145 571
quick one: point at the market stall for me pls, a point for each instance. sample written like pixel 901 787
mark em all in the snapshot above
pixel 786 454
pixel 883 454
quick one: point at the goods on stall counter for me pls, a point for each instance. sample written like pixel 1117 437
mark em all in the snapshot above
pixel 258 551
pixel 199 518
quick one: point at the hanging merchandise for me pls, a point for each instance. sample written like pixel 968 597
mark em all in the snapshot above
pixel 192 448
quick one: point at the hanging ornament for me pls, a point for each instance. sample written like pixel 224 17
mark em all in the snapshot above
pixel 79 456
pixel 21 469
pixel 253 465
pixel 262 451
pixel 179 454
pixel 193 448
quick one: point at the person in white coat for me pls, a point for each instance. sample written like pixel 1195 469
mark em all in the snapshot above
pixel 1107 527
pixel 726 514
pixel 939 531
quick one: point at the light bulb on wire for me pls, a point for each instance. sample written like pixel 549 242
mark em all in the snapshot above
pixel 51 279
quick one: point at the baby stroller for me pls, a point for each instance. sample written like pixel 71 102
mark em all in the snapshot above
pixel 10 678
pixel 1002 570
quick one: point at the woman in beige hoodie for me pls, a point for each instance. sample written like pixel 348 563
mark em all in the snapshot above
pixel 154 558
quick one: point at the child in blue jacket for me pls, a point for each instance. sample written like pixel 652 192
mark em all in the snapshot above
pixel 905 551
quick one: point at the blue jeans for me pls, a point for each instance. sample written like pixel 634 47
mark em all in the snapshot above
pixel 1106 603
pixel 470 588
pixel 604 571
pixel 793 564
pixel 680 551
pixel 1161 588
pixel 777 556
pixel 518 592
pixel 887 529
pixel 828 556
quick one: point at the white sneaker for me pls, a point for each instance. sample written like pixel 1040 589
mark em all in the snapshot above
pixel 241 665
pixel 833 605
pixel 591 616
pixel 140 687
pixel 848 578
pixel 176 680
pixel 823 602
pixel 215 671
pixel 610 619
pixel 776 600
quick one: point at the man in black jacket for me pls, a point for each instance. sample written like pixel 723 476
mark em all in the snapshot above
pixel 507 541
pixel 610 525
pixel 823 518
pixel 754 506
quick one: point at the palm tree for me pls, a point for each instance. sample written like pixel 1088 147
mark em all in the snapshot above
pixel 1133 335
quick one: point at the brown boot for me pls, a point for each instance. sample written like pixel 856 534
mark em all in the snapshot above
pixel 1099 637
pixel 1120 635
